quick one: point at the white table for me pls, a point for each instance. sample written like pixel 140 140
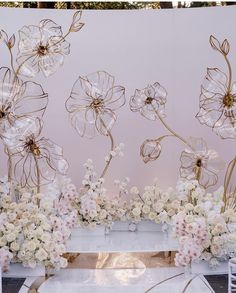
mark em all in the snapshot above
pixel 124 241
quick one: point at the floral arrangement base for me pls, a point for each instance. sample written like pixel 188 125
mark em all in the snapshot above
pixel 203 267
pixel 19 271
pixel 149 226
pixel 99 230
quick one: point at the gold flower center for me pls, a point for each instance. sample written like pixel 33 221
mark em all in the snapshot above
pixel 96 103
pixel 228 100
pixel 199 163
pixel 34 149
pixel 2 114
pixel 42 50
pixel 148 100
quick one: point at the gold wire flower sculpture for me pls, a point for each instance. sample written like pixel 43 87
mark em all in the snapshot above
pixel 43 47
pixel 149 101
pixel 229 196
pixel 37 160
pixel 196 161
pixel 218 96
pixel 92 103
pixel 19 99
pixel 40 48
pixel 150 150
pixel 200 163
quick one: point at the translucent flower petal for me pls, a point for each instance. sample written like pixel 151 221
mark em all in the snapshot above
pixel 200 163
pixel 117 99
pixel 218 104
pixel 84 128
pixel 101 82
pixel 92 101
pixel 38 161
pixel 150 150
pixel 105 121
pixel 41 48
pixel 33 100
pixel 150 101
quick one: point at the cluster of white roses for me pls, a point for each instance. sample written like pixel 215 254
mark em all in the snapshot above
pixel 154 204
pixel 31 231
pixel 203 231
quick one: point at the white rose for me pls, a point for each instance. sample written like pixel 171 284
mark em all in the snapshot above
pixel 171 213
pixel 146 209
pixel 197 209
pixel 158 207
pixel 3 241
pixel 189 207
pixel 11 237
pixel 10 226
pixel 136 212
pixel 41 254
pixel 45 237
pixel 31 246
pixel 152 216
pixel 15 246
pixel 134 190
pixel 188 218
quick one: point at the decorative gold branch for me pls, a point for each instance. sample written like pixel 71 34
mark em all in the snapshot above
pixel 171 130
pixel 110 156
pixel 227 179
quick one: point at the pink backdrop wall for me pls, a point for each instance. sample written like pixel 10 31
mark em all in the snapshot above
pixel 137 47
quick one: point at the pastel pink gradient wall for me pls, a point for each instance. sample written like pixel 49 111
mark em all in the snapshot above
pixel 138 48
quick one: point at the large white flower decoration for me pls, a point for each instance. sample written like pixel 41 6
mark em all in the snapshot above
pixel 200 163
pixel 218 104
pixel 92 103
pixel 41 48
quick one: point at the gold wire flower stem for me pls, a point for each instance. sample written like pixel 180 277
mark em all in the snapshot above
pixel 171 130
pixel 227 179
pixel 230 72
pixel 38 175
pixel 9 162
pixel 198 173
pixel 110 156
pixel 12 63
pixel 61 40
pixel 19 67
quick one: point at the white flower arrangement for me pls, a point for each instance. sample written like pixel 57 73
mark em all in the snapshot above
pixel 202 230
pixel 89 206
pixel 154 204
pixel 31 231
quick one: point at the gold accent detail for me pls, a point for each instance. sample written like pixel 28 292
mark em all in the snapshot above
pixel 228 100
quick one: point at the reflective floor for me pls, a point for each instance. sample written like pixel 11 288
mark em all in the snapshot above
pixel 121 273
